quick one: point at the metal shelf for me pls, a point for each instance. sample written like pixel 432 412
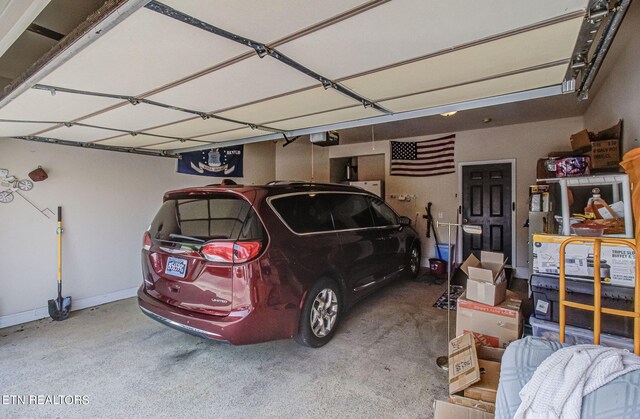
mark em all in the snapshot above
pixel 619 183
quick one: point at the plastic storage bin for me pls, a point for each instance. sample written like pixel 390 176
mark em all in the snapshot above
pixel 576 335
pixel 545 290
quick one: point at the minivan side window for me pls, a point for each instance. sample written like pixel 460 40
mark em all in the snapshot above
pixel 382 214
pixel 304 213
pixel 350 211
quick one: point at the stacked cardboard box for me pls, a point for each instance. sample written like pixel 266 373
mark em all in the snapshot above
pixel 488 319
pixel 473 380
pixel 494 326
pixel 486 279
pixel 617 262
pixel 602 148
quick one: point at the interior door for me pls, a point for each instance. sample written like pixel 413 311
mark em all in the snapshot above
pixel 487 201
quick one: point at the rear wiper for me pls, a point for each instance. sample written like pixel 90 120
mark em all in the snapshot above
pixel 180 236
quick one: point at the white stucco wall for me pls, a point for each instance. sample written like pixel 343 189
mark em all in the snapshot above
pixel 525 143
pixel 108 201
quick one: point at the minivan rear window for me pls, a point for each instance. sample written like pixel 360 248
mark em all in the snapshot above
pixel 201 219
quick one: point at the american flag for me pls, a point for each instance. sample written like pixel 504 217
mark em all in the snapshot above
pixel 423 158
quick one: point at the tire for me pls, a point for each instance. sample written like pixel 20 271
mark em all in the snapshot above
pixel 414 261
pixel 320 315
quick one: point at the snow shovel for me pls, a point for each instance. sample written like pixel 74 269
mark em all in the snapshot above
pixel 60 307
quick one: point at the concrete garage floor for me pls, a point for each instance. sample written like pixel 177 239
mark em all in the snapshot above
pixel 381 363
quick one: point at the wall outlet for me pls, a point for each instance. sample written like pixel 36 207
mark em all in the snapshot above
pixel 440 215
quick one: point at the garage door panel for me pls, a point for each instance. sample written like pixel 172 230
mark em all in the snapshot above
pixel 246 18
pixel 342 115
pixel 232 135
pixel 133 141
pixel 293 105
pixel 135 118
pixel 13 129
pixel 406 29
pixel 41 105
pixel 126 59
pixel 80 133
pixel 174 145
pixel 525 50
pixel 248 81
pixel 195 127
pixel 495 87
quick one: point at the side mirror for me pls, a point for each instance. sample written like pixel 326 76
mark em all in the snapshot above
pixel 404 222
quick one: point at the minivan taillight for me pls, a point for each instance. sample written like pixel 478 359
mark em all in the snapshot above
pixel 146 241
pixel 230 252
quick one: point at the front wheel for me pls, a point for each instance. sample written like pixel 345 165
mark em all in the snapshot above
pixel 414 261
pixel 320 314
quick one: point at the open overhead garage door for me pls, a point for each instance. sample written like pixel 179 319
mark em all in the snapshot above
pixel 162 78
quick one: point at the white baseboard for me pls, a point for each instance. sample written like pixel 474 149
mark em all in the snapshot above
pixel 79 304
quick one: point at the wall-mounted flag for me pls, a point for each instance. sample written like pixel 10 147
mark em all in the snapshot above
pixel 423 158
pixel 217 162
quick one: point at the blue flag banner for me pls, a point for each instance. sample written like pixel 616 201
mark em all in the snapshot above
pixel 217 162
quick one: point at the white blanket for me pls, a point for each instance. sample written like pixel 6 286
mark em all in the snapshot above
pixel 559 383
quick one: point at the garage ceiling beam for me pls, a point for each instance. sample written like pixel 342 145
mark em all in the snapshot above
pixel 263 50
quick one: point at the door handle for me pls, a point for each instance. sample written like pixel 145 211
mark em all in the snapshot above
pixel 464 220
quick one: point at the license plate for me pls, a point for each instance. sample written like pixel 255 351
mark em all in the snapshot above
pixel 176 267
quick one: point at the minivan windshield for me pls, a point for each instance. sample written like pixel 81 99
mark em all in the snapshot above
pixel 200 219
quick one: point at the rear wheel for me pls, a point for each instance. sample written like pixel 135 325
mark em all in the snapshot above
pixel 414 261
pixel 320 314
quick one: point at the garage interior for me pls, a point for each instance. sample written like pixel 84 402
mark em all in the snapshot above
pixel 106 95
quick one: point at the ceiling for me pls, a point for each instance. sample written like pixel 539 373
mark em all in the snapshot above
pixel 185 74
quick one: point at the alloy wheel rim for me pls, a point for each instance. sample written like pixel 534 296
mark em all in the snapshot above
pixel 413 261
pixel 324 312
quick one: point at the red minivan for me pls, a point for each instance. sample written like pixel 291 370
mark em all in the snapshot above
pixel 248 264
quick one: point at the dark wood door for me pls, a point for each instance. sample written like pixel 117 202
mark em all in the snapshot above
pixel 487 201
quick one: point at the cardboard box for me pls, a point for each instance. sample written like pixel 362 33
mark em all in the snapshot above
pixel 603 148
pixel 463 363
pixel 487 293
pixel 445 410
pixel 494 326
pixel 581 141
pixel 605 154
pixel 487 281
pixel 487 388
pixel 616 261
pixel 467 383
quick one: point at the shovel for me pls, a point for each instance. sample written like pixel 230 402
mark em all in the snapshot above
pixel 60 307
